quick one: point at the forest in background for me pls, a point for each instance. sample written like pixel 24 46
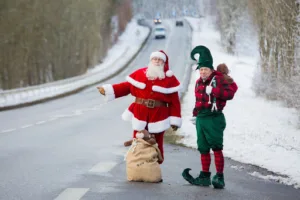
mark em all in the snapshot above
pixel 273 27
pixel 44 41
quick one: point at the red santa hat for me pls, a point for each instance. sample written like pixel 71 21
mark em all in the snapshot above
pixel 162 55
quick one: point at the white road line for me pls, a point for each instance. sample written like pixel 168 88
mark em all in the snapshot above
pixel 103 167
pixel 40 122
pixel 52 119
pixel 8 130
pixel 72 194
pixel 27 126
pixel 78 112
pixel 89 109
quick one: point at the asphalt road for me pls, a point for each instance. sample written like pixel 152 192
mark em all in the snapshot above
pixel 72 148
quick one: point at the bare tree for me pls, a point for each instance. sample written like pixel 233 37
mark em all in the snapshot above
pixel 229 16
pixel 278 30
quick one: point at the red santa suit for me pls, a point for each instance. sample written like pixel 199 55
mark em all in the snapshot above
pixel 155 119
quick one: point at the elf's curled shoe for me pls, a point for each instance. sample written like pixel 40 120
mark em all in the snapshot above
pixel 218 181
pixel 186 175
pixel 203 179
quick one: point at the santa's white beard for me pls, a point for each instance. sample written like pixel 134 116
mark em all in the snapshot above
pixel 153 72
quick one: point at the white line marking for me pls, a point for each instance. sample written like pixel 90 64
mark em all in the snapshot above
pixel 88 109
pixel 103 167
pixel 52 119
pixel 78 112
pixel 26 126
pixel 8 130
pixel 40 122
pixel 72 194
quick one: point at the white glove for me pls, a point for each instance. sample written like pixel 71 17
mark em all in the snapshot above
pixel 193 120
pixel 208 89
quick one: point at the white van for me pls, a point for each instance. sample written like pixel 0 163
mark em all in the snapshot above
pixel 159 32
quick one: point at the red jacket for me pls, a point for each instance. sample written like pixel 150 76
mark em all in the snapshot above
pixel 222 92
pixel 157 119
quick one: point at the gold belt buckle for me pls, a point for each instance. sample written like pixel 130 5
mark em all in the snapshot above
pixel 150 103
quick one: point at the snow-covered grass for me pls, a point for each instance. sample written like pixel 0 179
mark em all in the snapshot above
pixel 258 131
pixel 129 43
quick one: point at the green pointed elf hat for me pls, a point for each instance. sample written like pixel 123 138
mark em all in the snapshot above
pixel 205 58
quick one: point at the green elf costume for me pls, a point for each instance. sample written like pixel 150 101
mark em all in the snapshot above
pixel 211 96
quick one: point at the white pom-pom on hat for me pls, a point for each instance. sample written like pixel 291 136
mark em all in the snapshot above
pixel 158 54
pixel 197 55
pixel 169 73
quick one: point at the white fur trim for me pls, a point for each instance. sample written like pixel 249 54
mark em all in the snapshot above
pixel 160 126
pixel 127 115
pixel 135 83
pixel 138 124
pixel 177 121
pixel 169 73
pixel 158 54
pixel 165 90
pixel 109 92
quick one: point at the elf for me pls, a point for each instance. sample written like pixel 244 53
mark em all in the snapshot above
pixel 211 92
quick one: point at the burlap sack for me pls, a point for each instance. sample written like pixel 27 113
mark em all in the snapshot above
pixel 141 162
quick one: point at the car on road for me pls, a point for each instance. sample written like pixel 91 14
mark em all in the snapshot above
pixel 157 21
pixel 179 23
pixel 159 32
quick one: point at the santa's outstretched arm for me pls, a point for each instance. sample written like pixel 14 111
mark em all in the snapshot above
pixel 113 91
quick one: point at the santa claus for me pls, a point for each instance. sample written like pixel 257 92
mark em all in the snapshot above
pixel 156 106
